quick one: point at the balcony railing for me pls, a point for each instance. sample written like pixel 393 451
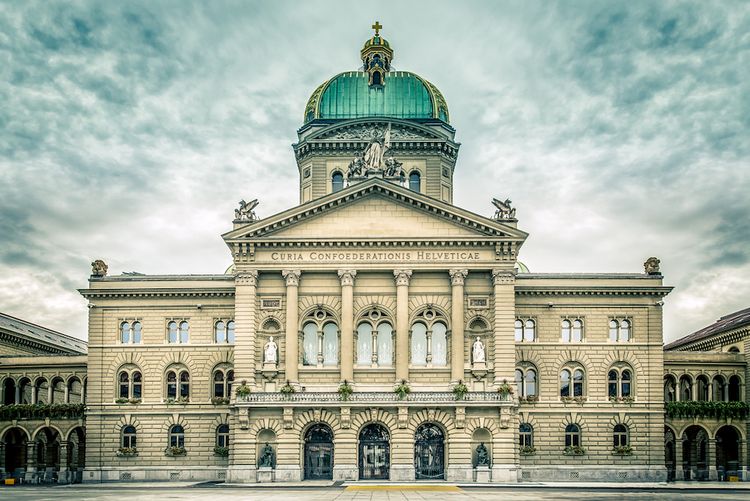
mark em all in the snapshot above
pixel 369 397
pixel 41 411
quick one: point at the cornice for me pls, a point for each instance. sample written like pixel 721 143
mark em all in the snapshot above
pixel 31 344
pixel 526 290
pixel 150 293
pixel 716 340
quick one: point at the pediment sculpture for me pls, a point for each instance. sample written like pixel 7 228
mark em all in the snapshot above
pixel 375 131
pixel 375 161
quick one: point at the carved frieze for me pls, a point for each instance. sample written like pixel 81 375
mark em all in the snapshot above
pixel 367 132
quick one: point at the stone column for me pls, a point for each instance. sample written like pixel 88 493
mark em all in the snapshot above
pixel 711 459
pixel 245 284
pixel 2 458
pixel 347 324
pixel 291 357
pixel 457 319
pixel 18 393
pixel 30 475
pixel 402 323
pixel 505 317
pixel 63 474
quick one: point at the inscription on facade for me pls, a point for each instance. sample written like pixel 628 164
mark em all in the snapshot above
pixel 377 256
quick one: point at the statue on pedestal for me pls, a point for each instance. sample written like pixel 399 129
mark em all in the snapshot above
pixel 483 456
pixel 266 457
pixel 477 351
pixel 270 352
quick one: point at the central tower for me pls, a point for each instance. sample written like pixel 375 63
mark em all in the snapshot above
pixel 376 121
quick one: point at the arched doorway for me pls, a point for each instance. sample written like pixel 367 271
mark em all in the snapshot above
pixel 374 452
pixel 319 453
pixel 76 454
pixel 48 454
pixel 15 452
pixel 695 453
pixel 669 453
pixel 429 452
pixel 727 452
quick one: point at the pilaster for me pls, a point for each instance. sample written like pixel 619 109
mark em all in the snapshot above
pixel 347 323
pixel 245 288
pixel 505 316
pixel 291 357
pixel 457 320
pixel 402 323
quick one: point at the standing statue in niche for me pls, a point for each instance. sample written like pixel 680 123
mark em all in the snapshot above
pixel 266 457
pixel 483 456
pixel 477 351
pixel 270 351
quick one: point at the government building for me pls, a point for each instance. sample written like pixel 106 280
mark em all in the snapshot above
pixel 375 331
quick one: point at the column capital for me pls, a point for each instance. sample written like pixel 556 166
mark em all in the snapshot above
pixel 458 276
pixel 347 277
pixel 292 277
pixel 249 277
pixel 402 276
pixel 503 277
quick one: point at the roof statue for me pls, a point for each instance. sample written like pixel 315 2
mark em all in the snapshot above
pixel 245 211
pixel 651 266
pixel 99 268
pixel 504 210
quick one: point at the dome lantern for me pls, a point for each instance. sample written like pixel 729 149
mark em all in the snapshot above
pixel 376 57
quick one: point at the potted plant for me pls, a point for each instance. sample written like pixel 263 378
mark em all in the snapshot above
pixel 460 390
pixel 505 390
pixel 121 400
pixel 243 389
pixel 287 390
pixel 574 450
pixel 126 452
pixel 527 450
pixel 178 400
pixel 221 451
pixel 219 400
pixel 402 389
pixel 622 450
pixel 345 390
pixel 174 451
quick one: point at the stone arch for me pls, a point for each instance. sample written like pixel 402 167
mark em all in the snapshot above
pixel 73 429
pixel 313 416
pixel 330 304
pixel 12 426
pixel 531 357
pixel 364 303
pixel 712 433
pixel 623 418
pixel 437 416
pixel 177 358
pixel 50 426
pixel 528 417
pixel 685 427
pixel 127 420
pixel 265 424
pixel 276 316
pixel 128 358
pixel 573 356
pixel 572 418
pixel 172 420
pixel 218 358
pixel 441 304
pixel 482 422
pixel 379 416
pixel 622 356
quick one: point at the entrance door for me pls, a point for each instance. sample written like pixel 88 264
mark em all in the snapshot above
pixel 374 453
pixel 429 453
pixel 319 453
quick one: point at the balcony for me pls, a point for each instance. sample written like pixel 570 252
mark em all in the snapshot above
pixel 368 399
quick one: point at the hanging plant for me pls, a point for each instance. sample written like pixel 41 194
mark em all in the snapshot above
pixel 221 451
pixel 175 451
pixel 460 390
pixel 505 390
pixel 220 400
pixel 574 450
pixel 527 450
pixel 126 452
pixel 622 450
pixel 402 389
pixel 243 389
pixel 287 390
pixel 345 390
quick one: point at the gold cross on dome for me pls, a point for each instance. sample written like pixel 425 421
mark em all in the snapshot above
pixel 377 27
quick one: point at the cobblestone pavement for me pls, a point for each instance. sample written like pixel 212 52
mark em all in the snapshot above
pixel 356 493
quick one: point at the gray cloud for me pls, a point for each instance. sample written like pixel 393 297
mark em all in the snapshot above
pixel 130 131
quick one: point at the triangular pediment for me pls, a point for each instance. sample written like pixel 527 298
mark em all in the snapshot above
pixel 376 210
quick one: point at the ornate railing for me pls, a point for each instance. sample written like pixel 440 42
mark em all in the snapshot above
pixel 703 409
pixel 41 411
pixel 426 397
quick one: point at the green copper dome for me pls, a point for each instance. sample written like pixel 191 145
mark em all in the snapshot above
pixel 402 95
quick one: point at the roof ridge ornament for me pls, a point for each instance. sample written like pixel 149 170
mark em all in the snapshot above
pixel 246 211
pixel 504 212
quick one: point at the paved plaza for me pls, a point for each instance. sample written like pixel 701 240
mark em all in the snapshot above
pixel 164 492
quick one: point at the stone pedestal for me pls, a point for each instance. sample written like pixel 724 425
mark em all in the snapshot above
pixel 402 473
pixel 713 474
pixel 265 474
pixel 482 474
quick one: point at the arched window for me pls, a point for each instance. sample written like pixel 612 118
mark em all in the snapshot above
pixel 734 388
pixel 222 435
pixel 75 391
pixel 419 344
pixel 330 344
pixel 130 385
pixel 184 332
pixel 364 344
pixel 702 387
pixel 719 388
pixel 385 345
pixel 130 332
pixel 26 390
pixel 136 333
pixel 572 435
pixel 686 388
pixel 230 332
pixel 220 332
pixel 176 436
pixel 178 333
pixel 125 332
pixel 337 181
pixel 415 181
pixel 620 331
pixel 525 436
pixel 178 385
pixel 439 345
pixel 572 382
pixel 620 436
pixel 565 329
pixel 577 333
pixel 619 384
pixel 525 330
pixel 733 349
pixel 124 379
pixel 220 387
pixel 9 391
pixel 137 388
pixel 670 388
pixel 42 391
pixel 172 332
pixel 129 437
pixel 310 344
pixel 526 380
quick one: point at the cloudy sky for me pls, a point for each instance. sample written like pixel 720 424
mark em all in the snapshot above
pixel 129 131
